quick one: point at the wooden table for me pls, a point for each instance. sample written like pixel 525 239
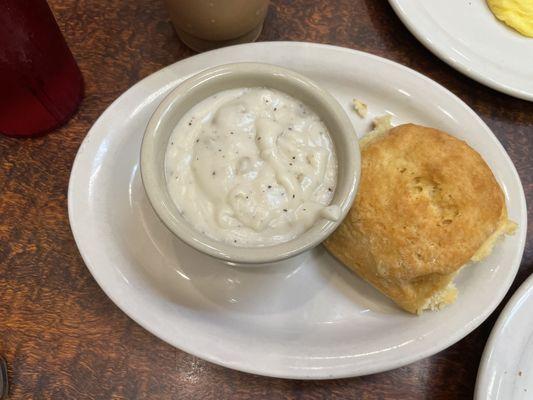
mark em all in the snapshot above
pixel 64 339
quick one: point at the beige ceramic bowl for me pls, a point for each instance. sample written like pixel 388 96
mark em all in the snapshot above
pixel 230 76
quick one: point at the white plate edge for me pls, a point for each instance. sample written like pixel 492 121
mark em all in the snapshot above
pixel 481 389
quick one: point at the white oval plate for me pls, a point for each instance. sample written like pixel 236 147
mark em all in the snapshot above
pixel 317 320
pixel 466 35
pixel 506 369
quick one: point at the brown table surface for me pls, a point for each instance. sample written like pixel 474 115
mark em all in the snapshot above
pixel 64 339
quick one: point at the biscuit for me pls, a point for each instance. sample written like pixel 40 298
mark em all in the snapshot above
pixel 427 204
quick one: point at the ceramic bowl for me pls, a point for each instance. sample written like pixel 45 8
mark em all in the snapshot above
pixel 230 76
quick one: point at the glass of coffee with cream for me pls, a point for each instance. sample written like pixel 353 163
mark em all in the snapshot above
pixel 207 24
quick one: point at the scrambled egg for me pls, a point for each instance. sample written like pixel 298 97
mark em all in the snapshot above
pixel 518 14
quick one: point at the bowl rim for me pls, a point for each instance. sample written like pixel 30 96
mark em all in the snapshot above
pixel 182 229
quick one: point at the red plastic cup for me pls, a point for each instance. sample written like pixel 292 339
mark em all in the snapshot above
pixel 40 83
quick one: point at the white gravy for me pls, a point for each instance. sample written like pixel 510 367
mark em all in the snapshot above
pixel 252 167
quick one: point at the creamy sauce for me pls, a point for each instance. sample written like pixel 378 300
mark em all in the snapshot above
pixel 251 167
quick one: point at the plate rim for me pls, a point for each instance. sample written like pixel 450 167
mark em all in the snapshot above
pixel 463 68
pixel 481 389
pixel 399 362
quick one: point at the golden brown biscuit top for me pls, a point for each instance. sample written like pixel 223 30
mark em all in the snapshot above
pixel 426 202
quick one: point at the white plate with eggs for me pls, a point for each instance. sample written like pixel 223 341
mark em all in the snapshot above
pixel 315 320
pixel 466 35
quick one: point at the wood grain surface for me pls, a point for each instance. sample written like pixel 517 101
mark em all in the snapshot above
pixel 64 339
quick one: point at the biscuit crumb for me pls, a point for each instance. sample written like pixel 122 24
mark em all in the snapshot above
pixel 360 108
pixel 381 125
